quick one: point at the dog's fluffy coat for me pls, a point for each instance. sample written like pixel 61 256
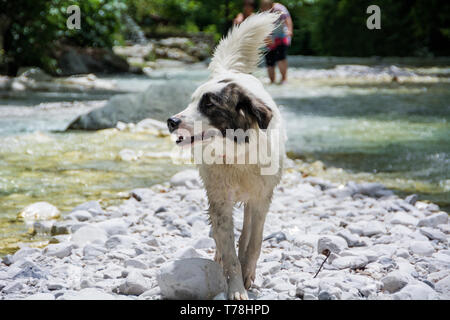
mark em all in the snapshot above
pixel 234 99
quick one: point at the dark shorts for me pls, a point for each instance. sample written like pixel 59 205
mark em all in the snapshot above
pixel 275 55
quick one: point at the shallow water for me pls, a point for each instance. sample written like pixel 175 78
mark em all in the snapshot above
pixel 375 130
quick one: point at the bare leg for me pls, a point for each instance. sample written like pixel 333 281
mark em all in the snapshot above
pixel 221 215
pixel 283 66
pixel 271 71
pixel 259 211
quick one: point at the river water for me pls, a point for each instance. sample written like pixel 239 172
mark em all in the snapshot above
pixel 361 129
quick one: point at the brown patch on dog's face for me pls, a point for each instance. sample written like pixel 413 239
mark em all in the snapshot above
pixel 234 108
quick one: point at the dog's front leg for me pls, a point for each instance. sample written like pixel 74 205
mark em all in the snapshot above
pixel 257 210
pixel 221 215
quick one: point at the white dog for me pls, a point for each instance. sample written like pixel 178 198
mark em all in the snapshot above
pixel 234 99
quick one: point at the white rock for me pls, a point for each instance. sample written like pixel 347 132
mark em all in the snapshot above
pixel 422 248
pixel 433 234
pixel 114 226
pixel 40 211
pixel 135 284
pixel 88 234
pixel 186 178
pixel 352 262
pixel 187 253
pixel 373 228
pixel 41 296
pixel 404 219
pixel 205 243
pixel 134 263
pixel 43 227
pixel 60 250
pixel 443 286
pixel 416 291
pixel 394 281
pixel 332 243
pixel 434 220
pixel 81 215
pixel 87 294
pixel 352 239
pixel 191 279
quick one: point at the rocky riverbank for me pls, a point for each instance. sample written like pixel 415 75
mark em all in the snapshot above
pixel 156 245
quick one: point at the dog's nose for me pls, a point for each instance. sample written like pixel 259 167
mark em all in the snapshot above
pixel 173 124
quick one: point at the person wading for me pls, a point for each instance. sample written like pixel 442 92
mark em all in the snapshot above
pixel 280 40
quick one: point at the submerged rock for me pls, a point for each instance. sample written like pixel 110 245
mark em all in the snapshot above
pixel 40 211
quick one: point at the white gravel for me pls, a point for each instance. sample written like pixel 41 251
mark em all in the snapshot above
pixel 378 245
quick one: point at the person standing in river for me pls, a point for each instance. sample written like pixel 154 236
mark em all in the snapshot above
pixel 249 9
pixel 279 42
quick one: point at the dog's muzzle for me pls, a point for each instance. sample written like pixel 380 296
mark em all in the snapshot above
pixel 173 124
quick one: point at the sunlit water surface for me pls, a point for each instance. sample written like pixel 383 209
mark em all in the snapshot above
pixel 364 130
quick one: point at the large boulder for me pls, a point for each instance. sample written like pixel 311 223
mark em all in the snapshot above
pixel 74 60
pixel 159 101
pixel 191 279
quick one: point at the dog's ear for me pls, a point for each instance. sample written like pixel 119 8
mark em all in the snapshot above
pixel 254 107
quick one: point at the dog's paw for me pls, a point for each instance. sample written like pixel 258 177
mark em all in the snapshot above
pixel 248 273
pixel 238 296
pixel 236 290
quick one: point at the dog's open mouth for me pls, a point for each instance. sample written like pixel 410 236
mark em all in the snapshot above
pixel 205 136
pixel 182 140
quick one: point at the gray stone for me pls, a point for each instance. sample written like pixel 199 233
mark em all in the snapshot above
pixel 43 227
pixel 12 288
pixel 24 253
pixel 394 281
pixel 26 269
pixel 60 250
pixel 422 248
pixel 93 251
pixel 412 199
pixel 443 286
pixel 134 263
pixel 87 294
pixel 159 101
pixel 191 279
pixel 81 215
pixel 88 234
pixel 434 220
pixel 352 239
pixel 41 296
pixel 404 219
pixel 352 262
pixel 324 295
pixel 186 178
pixel 93 207
pixel 373 228
pixel 113 226
pixel 433 234
pixel 332 243
pixel 135 284
pixel 205 243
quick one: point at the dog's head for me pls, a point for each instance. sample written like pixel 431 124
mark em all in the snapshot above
pixel 231 99
pixel 216 106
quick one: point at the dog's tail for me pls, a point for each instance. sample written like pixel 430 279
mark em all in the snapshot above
pixel 240 50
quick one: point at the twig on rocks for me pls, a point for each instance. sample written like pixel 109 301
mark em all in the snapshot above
pixel 327 253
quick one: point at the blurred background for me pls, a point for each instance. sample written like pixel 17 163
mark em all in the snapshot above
pixel 360 104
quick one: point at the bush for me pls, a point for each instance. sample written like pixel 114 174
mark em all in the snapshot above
pixel 35 26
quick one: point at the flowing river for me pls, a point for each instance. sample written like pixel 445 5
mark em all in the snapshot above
pixel 361 129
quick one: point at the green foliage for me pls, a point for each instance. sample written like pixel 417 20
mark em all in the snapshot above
pixel 35 26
